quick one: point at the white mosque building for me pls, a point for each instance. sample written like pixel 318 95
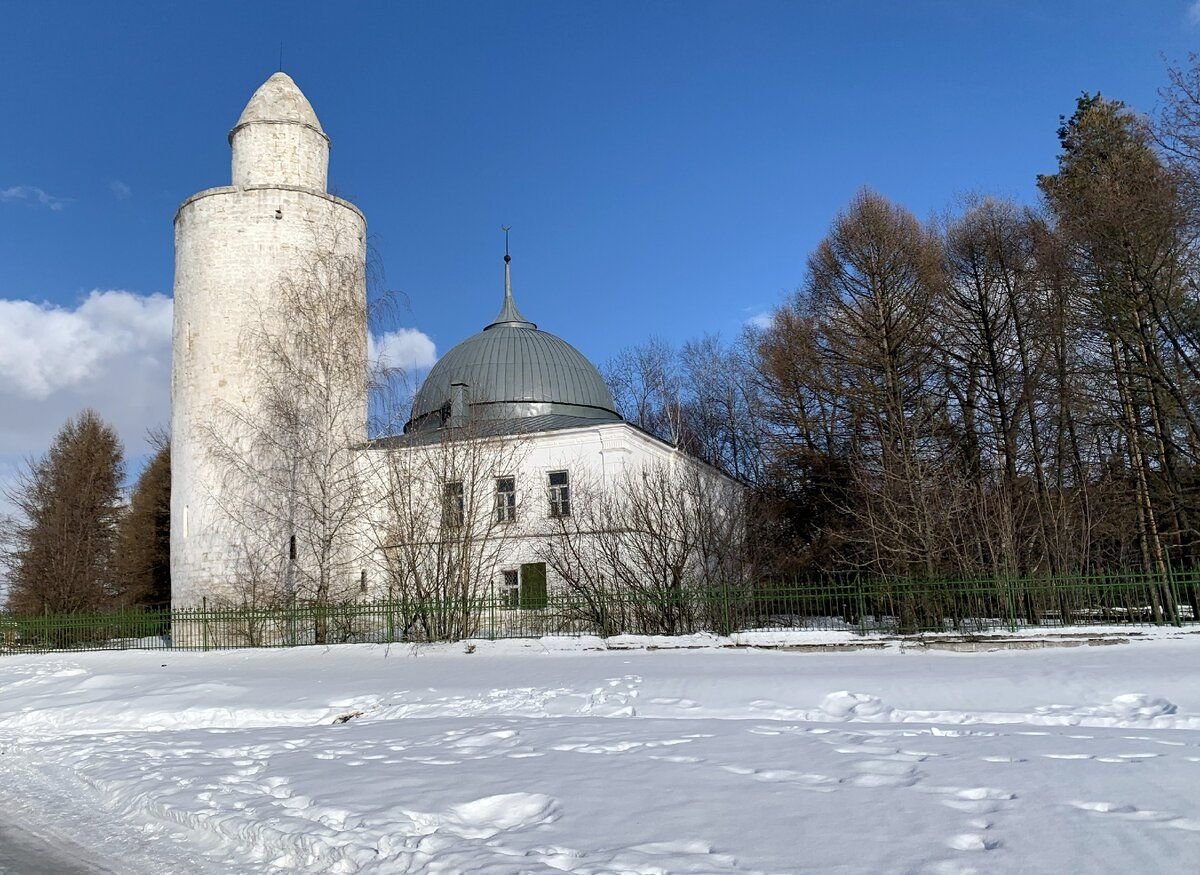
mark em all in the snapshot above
pixel 513 421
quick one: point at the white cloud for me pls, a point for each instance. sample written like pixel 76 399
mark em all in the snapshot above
pixel 120 190
pixel 111 352
pixel 405 348
pixel 761 321
pixel 45 349
pixel 31 194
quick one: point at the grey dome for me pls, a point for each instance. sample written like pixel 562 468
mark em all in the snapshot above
pixel 511 370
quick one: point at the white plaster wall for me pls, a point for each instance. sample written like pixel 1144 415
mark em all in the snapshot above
pixel 596 458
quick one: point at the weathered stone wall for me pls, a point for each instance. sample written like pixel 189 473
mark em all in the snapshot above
pixel 234 247
pixel 279 153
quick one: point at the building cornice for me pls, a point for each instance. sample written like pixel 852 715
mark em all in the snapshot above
pixel 231 189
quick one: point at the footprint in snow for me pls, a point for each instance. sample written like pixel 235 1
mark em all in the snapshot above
pixel 865 748
pixel 884 773
pixel 1124 811
pixel 486 817
pixel 1104 807
pixel 971 841
pixel 976 800
pixel 846 705
pixel 824 783
pixel 1126 758
pixel 984 793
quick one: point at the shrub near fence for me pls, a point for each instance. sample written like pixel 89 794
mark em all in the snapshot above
pixel 858 605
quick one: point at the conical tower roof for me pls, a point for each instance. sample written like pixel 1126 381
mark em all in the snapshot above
pixel 279 100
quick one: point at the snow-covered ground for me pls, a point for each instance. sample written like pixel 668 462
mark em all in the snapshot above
pixel 552 755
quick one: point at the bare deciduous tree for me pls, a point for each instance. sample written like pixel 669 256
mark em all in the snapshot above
pixel 654 551
pixel 438 533
pixel 293 493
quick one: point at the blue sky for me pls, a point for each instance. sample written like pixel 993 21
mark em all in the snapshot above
pixel 666 166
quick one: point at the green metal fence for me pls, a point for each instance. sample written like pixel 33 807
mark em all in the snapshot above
pixel 855 605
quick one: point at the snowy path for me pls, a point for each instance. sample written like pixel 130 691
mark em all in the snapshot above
pixel 22 853
pixel 518 759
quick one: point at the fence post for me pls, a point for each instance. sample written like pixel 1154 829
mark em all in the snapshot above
pixel 492 615
pixel 1010 602
pixel 1177 620
pixel 204 620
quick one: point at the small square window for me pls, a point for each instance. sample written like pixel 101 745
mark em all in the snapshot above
pixel 560 494
pixel 510 590
pixel 506 499
pixel 524 589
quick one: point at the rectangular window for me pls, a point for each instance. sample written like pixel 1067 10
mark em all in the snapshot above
pixel 560 494
pixel 510 591
pixel 454 510
pixel 506 499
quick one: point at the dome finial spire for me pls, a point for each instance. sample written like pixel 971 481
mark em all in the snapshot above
pixel 509 314
pixel 507 259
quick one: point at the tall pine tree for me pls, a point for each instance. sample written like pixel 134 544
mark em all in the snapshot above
pixel 62 555
pixel 144 545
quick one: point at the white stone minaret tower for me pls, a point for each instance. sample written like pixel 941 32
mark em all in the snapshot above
pixel 234 247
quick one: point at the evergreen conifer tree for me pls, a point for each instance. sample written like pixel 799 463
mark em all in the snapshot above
pixel 62 553
pixel 144 543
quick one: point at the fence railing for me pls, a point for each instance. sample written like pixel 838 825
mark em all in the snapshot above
pixel 856 605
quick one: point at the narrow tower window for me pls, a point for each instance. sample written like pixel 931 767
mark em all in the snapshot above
pixel 453 504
